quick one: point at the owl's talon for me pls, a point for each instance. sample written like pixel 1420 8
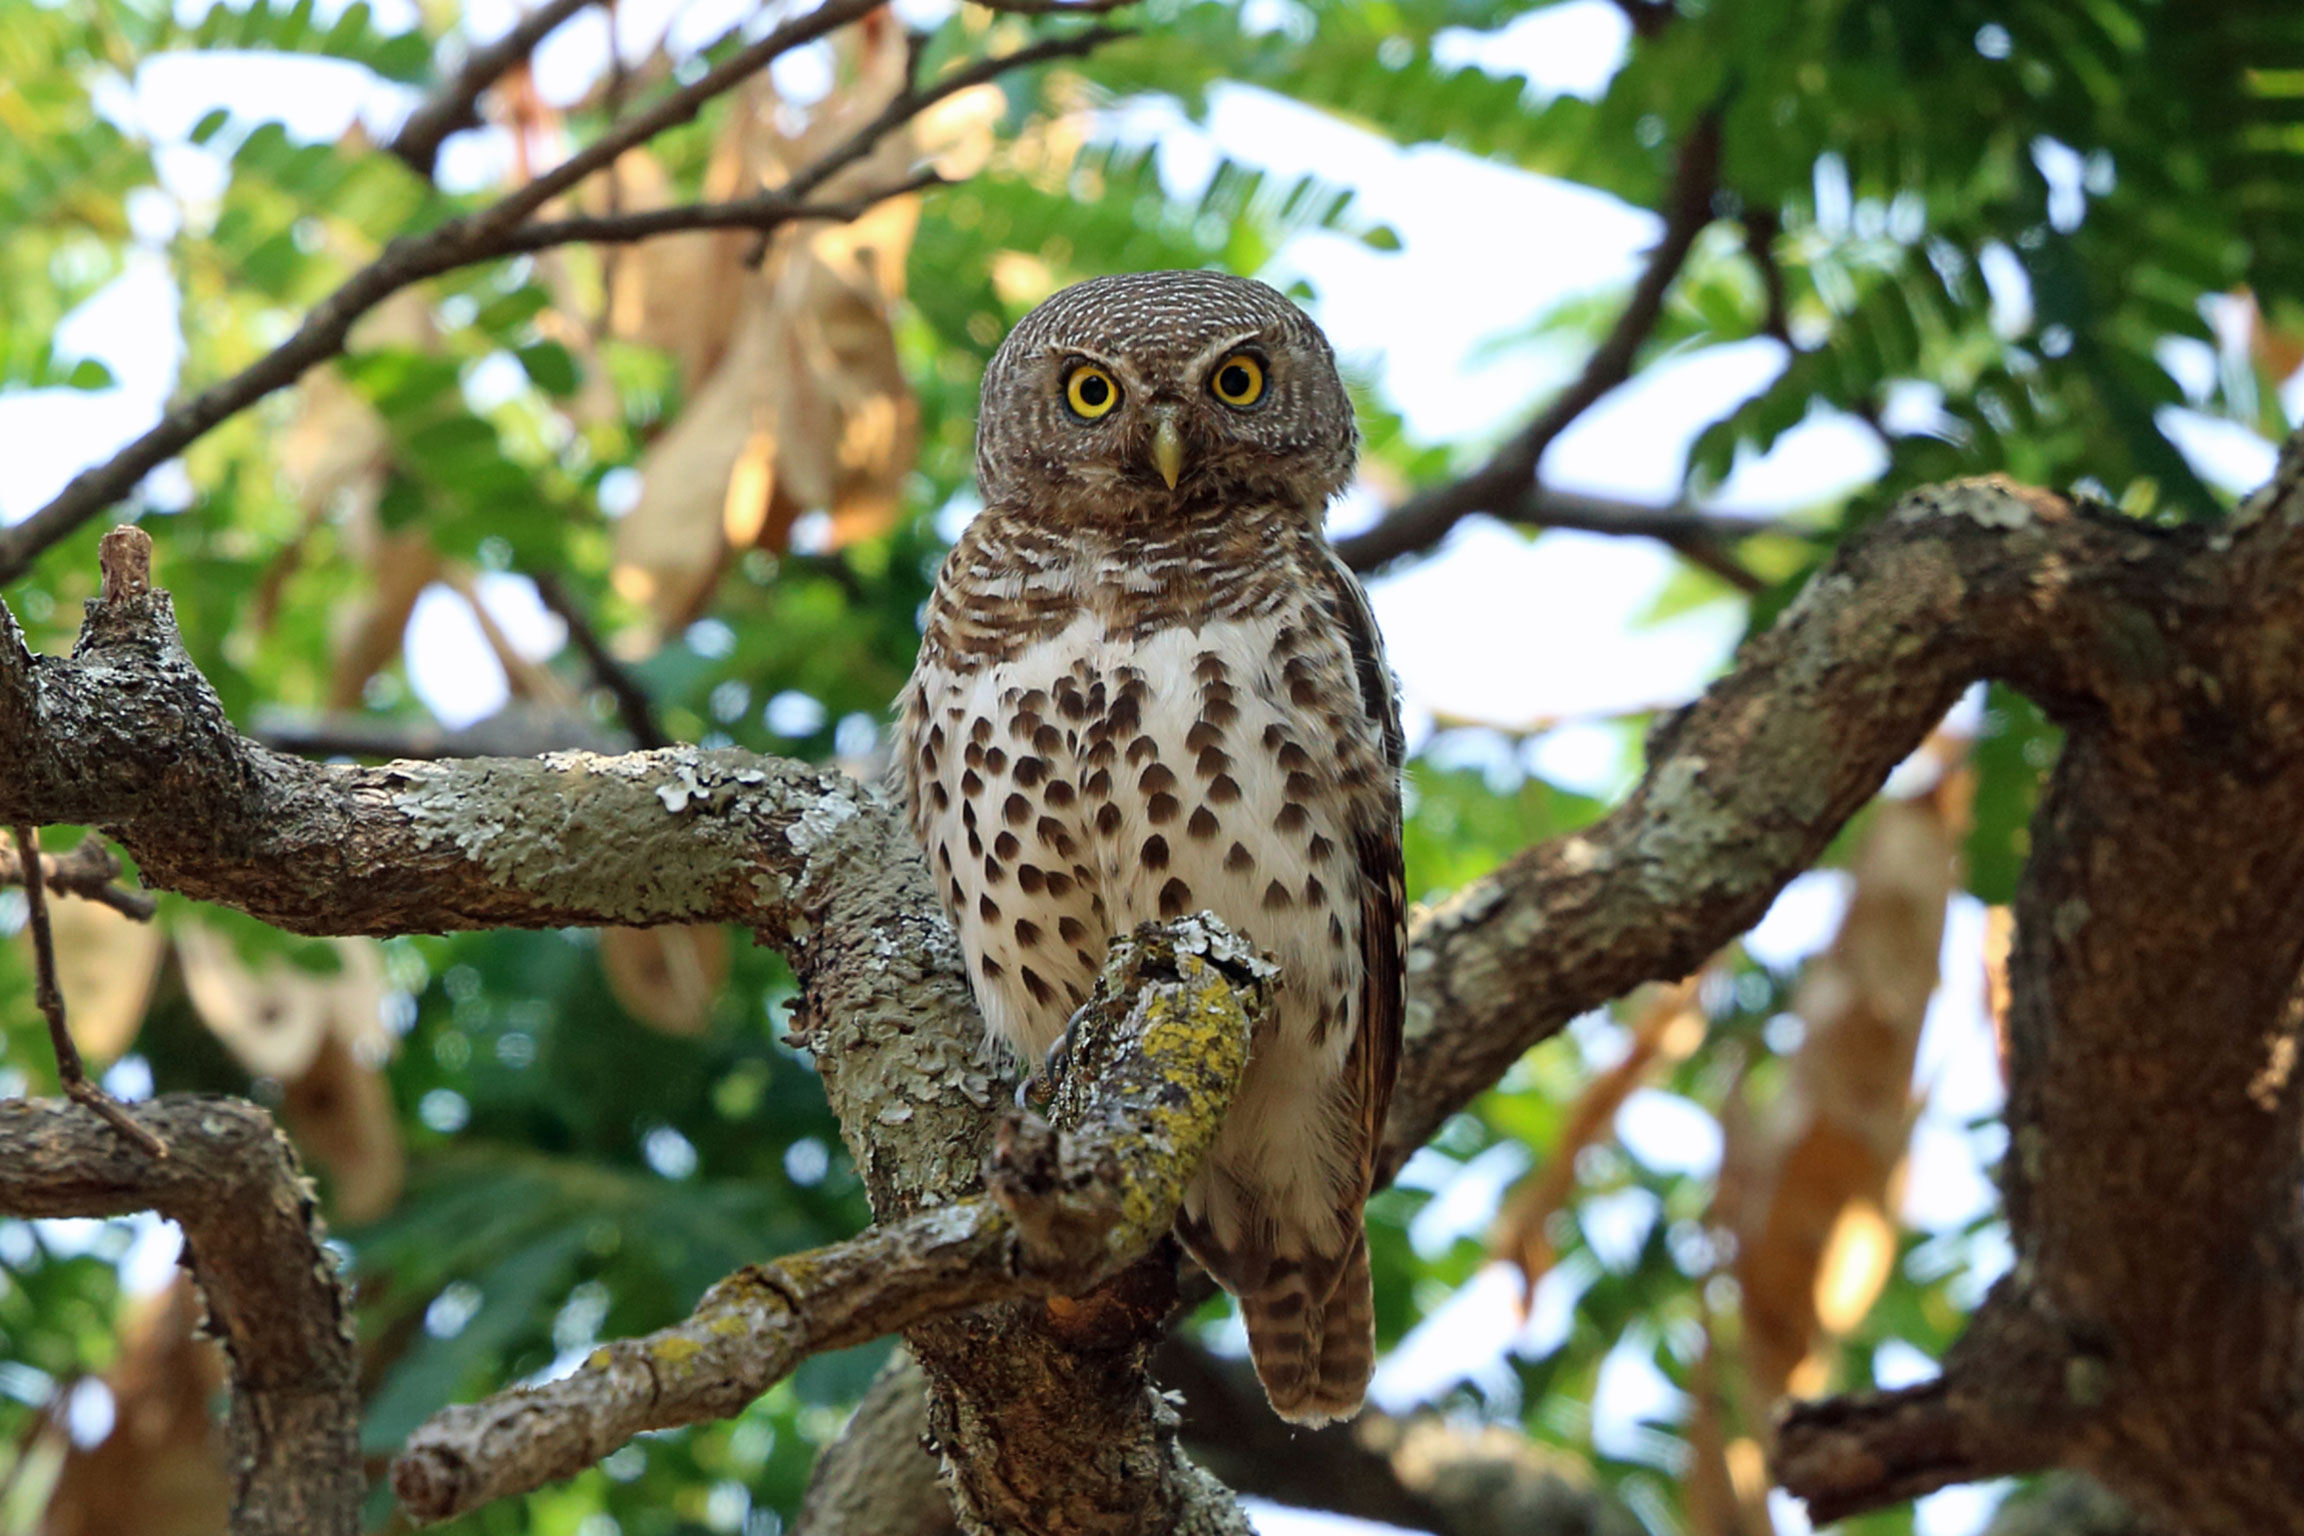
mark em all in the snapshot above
pixel 1040 1083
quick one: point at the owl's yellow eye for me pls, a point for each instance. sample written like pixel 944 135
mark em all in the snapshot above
pixel 1238 381
pixel 1090 392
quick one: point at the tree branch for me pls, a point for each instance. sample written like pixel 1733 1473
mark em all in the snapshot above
pixel 502 229
pixel 2150 1331
pixel 86 872
pixel 1162 1045
pixel 633 706
pixel 1507 480
pixel 252 1239
pixel 456 104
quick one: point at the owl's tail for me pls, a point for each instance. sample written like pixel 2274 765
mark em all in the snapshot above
pixel 1312 1334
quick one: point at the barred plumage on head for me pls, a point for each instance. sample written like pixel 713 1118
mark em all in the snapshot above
pixel 1147 689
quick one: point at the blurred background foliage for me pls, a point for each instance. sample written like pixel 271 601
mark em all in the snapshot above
pixel 2056 238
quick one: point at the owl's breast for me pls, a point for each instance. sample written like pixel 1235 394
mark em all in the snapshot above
pixel 1096 779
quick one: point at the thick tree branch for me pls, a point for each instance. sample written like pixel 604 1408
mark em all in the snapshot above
pixel 503 229
pixel 2154 1148
pixel 456 104
pixel 252 1240
pixel 1064 1211
pixel 1507 480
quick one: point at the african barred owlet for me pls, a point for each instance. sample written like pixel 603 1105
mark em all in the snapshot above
pixel 1148 689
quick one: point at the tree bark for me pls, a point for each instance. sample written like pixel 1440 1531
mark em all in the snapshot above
pixel 2149 1332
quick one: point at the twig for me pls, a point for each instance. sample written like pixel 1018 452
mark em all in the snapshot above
pixel 1054 7
pixel 252 1240
pixel 766 213
pixel 456 105
pixel 633 706
pixel 1065 1210
pixel 86 872
pixel 1761 229
pixel 519 729
pixel 502 229
pixel 50 997
pixel 1507 478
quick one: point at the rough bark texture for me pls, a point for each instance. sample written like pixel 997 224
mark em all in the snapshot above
pixel 2149 1333
pixel 252 1241
pixel 1159 1056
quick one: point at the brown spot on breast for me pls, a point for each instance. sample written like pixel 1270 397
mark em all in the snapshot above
pixel 1223 790
pixel 1156 778
pixel 959 896
pixel 1293 757
pixel 989 966
pixel 1175 897
pixel 1027 932
pixel 994 871
pixel 1035 984
pixel 935 738
pixel 1030 878
pixel 1107 819
pixel 1203 823
pixel 1303 693
pixel 1292 817
pixel 1162 809
pixel 1056 835
pixel 1006 845
pixel 995 761
pixel 1059 792
pixel 1238 858
pixel 1319 850
pixel 1047 741
pixel 1060 884
pixel 1315 894
pixel 1335 930
pixel 1276 897
pixel 1016 811
pixel 1030 771
pixel 1142 749
pixel 941 795
pixel 1034 702
pixel 1202 736
pixel 1208 667
pixel 1220 713
pixel 975 844
pixel 1071 703
pixel 987 908
pixel 1070 929
pixel 1300 786
pixel 974 756
pixel 1211 762
pixel 980 731
pixel 1274 737
pixel 1155 852
pixel 970 784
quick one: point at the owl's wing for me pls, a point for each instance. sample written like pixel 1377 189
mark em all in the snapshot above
pixel 1383 883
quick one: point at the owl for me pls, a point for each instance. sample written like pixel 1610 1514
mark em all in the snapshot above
pixel 1148 689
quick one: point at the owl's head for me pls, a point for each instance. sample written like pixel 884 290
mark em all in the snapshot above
pixel 1130 397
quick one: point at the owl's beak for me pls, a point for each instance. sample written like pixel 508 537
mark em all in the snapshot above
pixel 1168 450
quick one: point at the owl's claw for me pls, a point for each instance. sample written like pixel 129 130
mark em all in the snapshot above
pixel 1040 1083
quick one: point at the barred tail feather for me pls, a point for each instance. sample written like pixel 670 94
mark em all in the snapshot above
pixel 1314 1353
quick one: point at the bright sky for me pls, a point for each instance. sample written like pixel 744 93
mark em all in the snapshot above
pixel 1495 627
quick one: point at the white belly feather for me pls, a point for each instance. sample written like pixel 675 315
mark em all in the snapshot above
pixel 1090 784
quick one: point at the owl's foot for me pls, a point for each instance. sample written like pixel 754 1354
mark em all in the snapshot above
pixel 1040 1084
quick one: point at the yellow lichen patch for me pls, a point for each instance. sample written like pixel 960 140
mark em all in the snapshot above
pixel 674 1349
